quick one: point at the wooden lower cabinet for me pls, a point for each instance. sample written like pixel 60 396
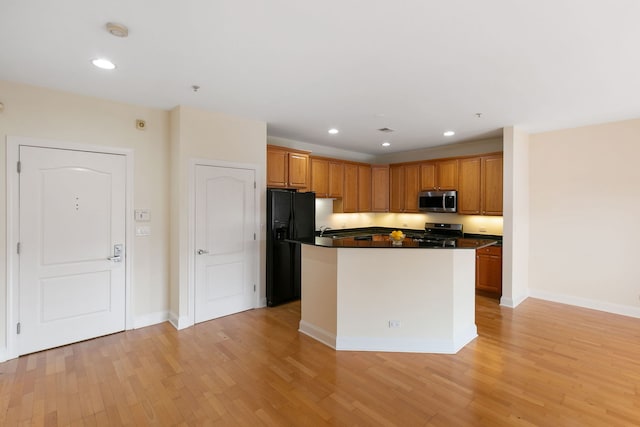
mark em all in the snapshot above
pixel 489 269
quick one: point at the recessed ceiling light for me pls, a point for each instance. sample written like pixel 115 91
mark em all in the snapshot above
pixel 449 133
pixel 386 144
pixel 333 131
pixel 105 64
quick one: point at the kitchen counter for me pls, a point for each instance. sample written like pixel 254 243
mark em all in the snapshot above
pixel 359 299
pixel 355 242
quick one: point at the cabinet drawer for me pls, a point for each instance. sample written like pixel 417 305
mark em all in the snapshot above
pixel 490 250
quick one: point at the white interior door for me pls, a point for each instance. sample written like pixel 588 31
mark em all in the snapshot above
pixel 224 240
pixel 72 214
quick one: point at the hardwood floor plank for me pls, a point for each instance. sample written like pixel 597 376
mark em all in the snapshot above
pixel 543 364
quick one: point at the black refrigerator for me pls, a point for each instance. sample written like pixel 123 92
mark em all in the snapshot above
pixel 290 215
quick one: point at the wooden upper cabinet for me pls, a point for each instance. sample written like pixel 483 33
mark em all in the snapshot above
pixel 287 168
pixel 298 170
pixel 428 176
pixel 336 178
pixel 350 188
pixel 439 175
pixel 364 188
pixel 411 187
pixel 380 188
pixel 277 168
pixel 491 185
pixel 404 186
pixel 396 188
pixel 447 174
pixel 320 177
pixel 480 185
pixel 469 186
pixel 327 177
pixel 356 193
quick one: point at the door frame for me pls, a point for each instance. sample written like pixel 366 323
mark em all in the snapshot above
pixel 13 226
pixel 191 239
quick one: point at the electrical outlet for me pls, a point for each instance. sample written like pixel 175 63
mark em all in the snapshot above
pixel 394 323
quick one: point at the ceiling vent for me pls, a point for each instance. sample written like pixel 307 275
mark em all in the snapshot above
pixel 386 130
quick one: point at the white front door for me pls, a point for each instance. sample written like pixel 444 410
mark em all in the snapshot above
pixel 224 241
pixel 72 215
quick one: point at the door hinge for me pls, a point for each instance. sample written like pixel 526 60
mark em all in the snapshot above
pixel 254 289
pixel 254 236
pixel 18 328
pixel 254 185
pixel 19 167
pixel 18 248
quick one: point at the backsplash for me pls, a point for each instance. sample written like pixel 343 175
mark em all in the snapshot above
pixel 471 223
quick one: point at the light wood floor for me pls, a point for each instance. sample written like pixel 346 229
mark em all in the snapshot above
pixel 543 364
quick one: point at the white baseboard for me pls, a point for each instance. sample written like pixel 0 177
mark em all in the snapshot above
pixel 402 345
pixel 318 334
pixel 513 302
pixel 405 345
pixel 608 307
pixel 179 322
pixel 150 319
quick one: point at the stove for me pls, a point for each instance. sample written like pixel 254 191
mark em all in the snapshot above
pixel 437 234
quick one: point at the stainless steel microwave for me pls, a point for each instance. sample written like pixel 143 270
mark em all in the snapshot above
pixel 438 201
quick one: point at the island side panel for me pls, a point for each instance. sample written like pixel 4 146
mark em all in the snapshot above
pixel 414 289
pixel 318 317
pixel 464 295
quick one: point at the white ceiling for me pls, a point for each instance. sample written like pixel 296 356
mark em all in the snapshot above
pixel 418 66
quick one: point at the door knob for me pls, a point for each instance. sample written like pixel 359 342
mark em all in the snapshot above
pixel 202 252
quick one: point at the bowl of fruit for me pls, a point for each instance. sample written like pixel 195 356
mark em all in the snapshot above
pixel 396 237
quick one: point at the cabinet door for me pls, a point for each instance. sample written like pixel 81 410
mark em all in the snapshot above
pixel 380 188
pixel 411 187
pixel 298 170
pixel 428 176
pixel 469 186
pixel 364 188
pixel 336 178
pixel 350 188
pixel 491 193
pixel 396 189
pixel 489 269
pixel 447 175
pixel 277 168
pixel 320 177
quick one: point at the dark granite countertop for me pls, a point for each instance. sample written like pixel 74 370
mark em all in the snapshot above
pixel 353 242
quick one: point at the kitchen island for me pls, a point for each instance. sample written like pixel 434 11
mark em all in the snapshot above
pixel 370 296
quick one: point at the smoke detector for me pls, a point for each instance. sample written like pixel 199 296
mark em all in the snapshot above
pixel 117 30
pixel 386 130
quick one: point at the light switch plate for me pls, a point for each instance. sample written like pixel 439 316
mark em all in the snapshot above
pixel 143 215
pixel 143 230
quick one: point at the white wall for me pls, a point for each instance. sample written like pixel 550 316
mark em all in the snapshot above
pixel 469 148
pixel 584 210
pixel 515 251
pixel 198 134
pixel 42 113
pixel 320 150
